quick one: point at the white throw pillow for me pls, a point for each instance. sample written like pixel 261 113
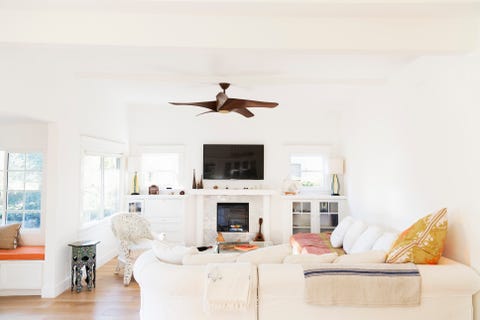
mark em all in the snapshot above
pixel 367 239
pixel 310 258
pixel 205 258
pixel 385 241
pixel 338 234
pixel 353 233
pixel 364 257
pixel 171 253
pixel 272 254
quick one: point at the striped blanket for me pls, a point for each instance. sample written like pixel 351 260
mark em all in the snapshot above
pixel 313 243
pixel 363 285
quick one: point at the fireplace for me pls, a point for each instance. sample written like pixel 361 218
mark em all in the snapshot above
pixel 232 217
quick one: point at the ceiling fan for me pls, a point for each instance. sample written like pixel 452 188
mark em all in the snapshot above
pixel 224 104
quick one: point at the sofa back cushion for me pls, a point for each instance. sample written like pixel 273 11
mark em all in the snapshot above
pixel 308 259
pixel 362 257
pixel 206 258
pixel 366 240
pixel 338 234
pixel 271 254
pixel 353 233
pixel 385 242
pixel 423 242
pixel 171 253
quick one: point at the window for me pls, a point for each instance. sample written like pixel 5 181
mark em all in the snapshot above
pixel 101 187
pixel 161 169
pixel 309 170
pixel 21 188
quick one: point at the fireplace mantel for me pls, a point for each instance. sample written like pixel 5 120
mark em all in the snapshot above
pixel 201 194
pixel 232 192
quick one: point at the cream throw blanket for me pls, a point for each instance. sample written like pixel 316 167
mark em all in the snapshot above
pixel 363 285
pixel 228 286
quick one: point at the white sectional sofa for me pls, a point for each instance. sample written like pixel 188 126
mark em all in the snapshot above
pixel 176 292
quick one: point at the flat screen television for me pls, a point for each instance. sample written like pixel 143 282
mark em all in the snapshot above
pixel 233 161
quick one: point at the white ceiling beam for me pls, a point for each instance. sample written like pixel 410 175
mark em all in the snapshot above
pixel 345 34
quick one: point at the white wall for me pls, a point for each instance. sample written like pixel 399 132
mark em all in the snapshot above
pixel 72 107
pixel 412 147
pixel 276 128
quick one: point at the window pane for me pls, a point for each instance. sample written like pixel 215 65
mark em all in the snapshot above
pixel 16 180
pixel 14 217
pixel 161 169
pixel 32 220
pixel 1 179
pixel 308 169
pixel 92 181
pixel 16 161
pixel 111 183
pixel 32 200
pixel 2 202
pixel 33 180
pixel 34 161
pixel 15 200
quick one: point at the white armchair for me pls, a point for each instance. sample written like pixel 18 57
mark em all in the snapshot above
pixel 132 230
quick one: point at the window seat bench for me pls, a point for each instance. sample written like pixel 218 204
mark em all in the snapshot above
pixel 21 270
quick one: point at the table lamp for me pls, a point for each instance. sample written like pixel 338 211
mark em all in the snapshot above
pixel 335 167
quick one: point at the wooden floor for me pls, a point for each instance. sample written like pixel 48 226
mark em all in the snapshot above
pixel 109 300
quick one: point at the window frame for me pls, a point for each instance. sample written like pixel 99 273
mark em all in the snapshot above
pixel 102 155
pixel 42 189
pixel 309 150
pixel 140 150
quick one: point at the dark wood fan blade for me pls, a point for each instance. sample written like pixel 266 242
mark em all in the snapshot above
pixel 233 103
pixel 212 105
pixel 205 113
pixel 244 112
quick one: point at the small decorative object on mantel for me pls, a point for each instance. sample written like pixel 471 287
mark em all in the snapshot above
pixel 259 236
pixel 335 167
pixel 181 192
pixel 194 181
pixel 153 189
pixel 215 187
pixel 135 185
pixel 200 183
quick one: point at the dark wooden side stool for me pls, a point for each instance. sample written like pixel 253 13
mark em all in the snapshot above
pixel 84 254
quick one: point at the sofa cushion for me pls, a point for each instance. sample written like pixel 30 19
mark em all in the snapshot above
pixel 272 254
pixel 353 233
pixel 310 258
pixel 171 253
pixel 9 236
pixel 338 234
pixel 205 258
pixel 423 242
pixel 362 257
pixel 385 242
pixel 367 239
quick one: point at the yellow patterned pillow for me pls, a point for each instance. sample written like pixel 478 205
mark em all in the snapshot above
pixel 423 242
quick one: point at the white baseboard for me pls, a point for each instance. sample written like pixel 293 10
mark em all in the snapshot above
pixel 20 292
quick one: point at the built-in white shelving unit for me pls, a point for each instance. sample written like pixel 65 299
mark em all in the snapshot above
pixel 312 213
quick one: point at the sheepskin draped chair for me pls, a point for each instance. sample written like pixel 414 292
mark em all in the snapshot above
pixel 134 234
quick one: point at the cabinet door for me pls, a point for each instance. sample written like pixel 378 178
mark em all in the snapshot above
pixel 167 216
pixel 329 211
pixel 301 217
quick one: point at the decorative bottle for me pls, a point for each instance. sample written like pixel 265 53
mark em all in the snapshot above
pixel 135 186
pixel 194 182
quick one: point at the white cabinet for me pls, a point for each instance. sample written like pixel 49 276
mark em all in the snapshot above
pixel 21 277
pixel 165 213
pixel 312 214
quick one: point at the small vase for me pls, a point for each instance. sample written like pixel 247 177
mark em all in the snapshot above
pixel 200 183
pixel 135 186
pixel 194 182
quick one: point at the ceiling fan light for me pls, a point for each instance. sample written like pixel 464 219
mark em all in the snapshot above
pixel 224 111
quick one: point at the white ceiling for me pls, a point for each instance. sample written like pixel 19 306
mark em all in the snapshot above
pixel 151 72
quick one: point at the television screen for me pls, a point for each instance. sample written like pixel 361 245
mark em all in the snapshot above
pixel 233 161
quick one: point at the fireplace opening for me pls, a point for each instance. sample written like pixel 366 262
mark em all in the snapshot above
pixel 232 217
